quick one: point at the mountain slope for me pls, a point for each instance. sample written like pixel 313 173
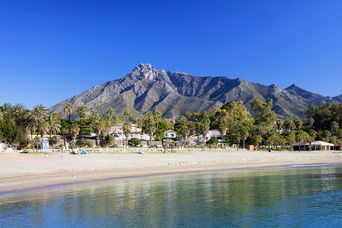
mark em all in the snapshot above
pixel 172 93
pixel 308 96
pixel 338 98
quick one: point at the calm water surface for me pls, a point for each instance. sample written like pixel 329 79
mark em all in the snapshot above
pixel 277 197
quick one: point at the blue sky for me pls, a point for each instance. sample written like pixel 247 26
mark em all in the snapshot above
pixel 51 50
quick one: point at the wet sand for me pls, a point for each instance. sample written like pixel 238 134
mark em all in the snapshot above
pixel 30 171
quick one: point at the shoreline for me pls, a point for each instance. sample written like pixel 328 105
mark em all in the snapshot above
pixel 36 179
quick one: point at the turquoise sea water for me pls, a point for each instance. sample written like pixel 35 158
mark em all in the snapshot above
pixel 274 197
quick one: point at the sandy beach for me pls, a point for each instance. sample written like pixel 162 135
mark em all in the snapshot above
pixel 30 171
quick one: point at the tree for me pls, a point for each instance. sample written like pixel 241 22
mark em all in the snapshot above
pixel 271 139
pixel 223 119
pixel 99 125
pixel 324 115
pixel 280 125
pixel 334 126
pixel 53 140
pixel 127 115
pixel 74 131
pixel 289 138
pixel 11 133
pixel 162 125
pixel 298 124
pixel 65 131
pixel 110 116
pixel 127 129
pixel 39 115
pixel 310 122
pixel 303 137
pixel 69 110
pixel 312 133
pixel 255 138
pixel 182 128
pixel 289 125
pixel 21 116
pixel 83 112
pixel 264 117
pixel 213 141
pixel 241 122
pixel 7 111
pixel 134 142
pixel 149 125
pixel 54 122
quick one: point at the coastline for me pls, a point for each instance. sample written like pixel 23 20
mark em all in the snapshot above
pixel 23 172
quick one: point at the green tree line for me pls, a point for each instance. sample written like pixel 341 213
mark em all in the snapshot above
pixel 260 127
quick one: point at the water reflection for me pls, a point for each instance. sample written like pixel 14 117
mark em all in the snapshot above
pixel 248 198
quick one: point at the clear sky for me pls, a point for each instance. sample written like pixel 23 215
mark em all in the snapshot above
pixel 51 50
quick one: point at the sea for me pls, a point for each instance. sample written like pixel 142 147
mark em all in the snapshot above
pixel 287 196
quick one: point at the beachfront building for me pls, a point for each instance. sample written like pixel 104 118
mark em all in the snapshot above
pixel 317 145
pixel 169 139
pixel 320 145
pixel 136 132
pixel 213 134
pixel 170 134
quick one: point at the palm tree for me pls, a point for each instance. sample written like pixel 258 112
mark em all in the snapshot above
pixel 69 110
pixel 157 118
pixel 110 116
pixel 39 115
pixel 83 112
pixel 127 129
pixel 149 125
pixel 74 131
pixel 21 117
pixel 7 110
pixel 99 125
pixel 54 122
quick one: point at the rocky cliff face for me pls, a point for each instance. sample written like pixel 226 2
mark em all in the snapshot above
pixel 172 93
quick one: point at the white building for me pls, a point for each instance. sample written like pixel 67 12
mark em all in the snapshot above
pixel 170 134
pixel 317 145
pixel 136 132
pixel 213 134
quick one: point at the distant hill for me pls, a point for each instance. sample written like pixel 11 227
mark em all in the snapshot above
pixel 147 89
pixel 338 98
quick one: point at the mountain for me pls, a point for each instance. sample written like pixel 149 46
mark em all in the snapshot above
pixel 146 89
pixel 307 96
pixel 338 99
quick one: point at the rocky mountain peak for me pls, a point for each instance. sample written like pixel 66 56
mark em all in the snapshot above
pixel 293 87
pixel 145 71
pixel 276 88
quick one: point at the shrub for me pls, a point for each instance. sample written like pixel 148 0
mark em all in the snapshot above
pixel 53 140
pixel 107 141
pixel 213 141
pixel 72 145
pixel 85 143
pixel 134 142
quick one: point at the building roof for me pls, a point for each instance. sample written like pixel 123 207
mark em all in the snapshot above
pixel 316 143
pixel 300 144
pixel 321 143
pixel 170 131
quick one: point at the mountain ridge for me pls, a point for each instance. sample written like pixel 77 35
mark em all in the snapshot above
pixel 146 89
